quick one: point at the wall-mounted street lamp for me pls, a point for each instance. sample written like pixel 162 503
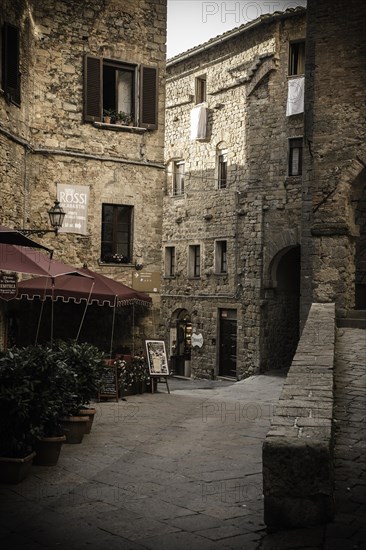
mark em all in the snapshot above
pixel 56 215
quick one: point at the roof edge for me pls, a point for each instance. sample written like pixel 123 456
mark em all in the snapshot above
pixel 265 18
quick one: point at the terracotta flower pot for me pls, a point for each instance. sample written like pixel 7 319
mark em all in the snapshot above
pixel 48 450
pixel 74 428
pixel 14 470
pixel 90 413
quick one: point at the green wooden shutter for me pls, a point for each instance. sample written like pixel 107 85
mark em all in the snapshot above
pixel 93 88
pixel 148 97
pixel 11 74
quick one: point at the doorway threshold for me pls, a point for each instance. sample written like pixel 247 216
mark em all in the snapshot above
pixel 229 378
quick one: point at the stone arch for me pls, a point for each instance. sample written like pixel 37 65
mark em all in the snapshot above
pixel 279 245
pixel 280 324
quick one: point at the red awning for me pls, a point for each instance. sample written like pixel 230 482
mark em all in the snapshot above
pixel 100 290
pixel 27 260
pixel 12 236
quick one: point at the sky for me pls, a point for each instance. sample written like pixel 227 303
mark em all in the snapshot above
pixel 192 22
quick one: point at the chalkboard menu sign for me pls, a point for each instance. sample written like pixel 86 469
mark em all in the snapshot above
pixel 110 383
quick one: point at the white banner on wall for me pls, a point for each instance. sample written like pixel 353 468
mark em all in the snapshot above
pixel 74 199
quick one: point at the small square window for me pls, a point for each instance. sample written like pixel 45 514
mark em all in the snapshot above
pixel 295 157
pixel 297 58
pixel 178 178
pixel 221 257
pixel 195 261
pixel 201 89
pixel 170 261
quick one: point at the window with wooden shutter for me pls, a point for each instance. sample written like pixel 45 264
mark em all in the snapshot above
pixel 148 97
pixel 10 63
pixel 93 88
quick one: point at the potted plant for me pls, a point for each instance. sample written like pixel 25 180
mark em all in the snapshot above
pixel 124 118
pixel 133 375
pixel 87 364
pixel 109 116
pixel 18 429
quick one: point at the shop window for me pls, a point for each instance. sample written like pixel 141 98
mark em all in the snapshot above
pixel 178 177
pixel 297 58
pixel 195 261
pixel 295 157
pixel 114 88
pixel 170 261
pixel 200 89
pixel 116 233
pixel 10 73
pixel 221 257
pixel 222 168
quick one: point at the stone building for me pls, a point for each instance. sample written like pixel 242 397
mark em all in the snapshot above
pixel 334 206
pixel 232 203
pixel 65 66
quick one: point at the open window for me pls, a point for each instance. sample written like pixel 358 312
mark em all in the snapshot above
pixel 170 264
pixel 220 257
pixel 221 168
pixel 116 233
pixel 295 156
pixel 194 261
pixel 297 58
pixel 178 177
pixel 123 89
pixel 200 89
pixel 10 54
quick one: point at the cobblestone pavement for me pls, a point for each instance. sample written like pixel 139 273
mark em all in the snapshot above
pixel 184 471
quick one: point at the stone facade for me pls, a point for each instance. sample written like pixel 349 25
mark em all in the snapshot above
pixel 334 207
pixel 247 315
pixel 45 139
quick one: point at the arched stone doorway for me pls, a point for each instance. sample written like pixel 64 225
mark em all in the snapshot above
pixel 281 312
pixel 180 343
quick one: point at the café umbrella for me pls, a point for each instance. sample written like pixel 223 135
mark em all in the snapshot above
pixel 94 289
pixel 13 236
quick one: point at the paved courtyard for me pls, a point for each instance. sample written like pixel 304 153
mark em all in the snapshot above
pixel 157 471
pixel 184 470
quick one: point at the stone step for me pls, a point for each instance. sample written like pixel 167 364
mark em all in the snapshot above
pixel 355 319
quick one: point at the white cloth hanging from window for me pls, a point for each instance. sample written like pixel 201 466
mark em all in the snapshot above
pixel 198 122
pixel 295 97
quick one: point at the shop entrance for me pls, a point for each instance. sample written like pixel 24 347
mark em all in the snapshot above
pixel 181 343
pixel 360 218
pixel 228 341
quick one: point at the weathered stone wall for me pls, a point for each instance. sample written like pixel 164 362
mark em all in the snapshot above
pixel 45 141
pixel 298 450
pixel 246 100
pixel 335 153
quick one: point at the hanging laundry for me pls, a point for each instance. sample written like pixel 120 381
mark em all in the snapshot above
pixel 199 122
pixel 295 96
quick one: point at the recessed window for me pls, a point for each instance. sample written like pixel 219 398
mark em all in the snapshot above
pixel 195 260
pixel 121 90
pixel 221 257
pixel 116 233
pixel 295 157
pixel 297 58
pixel 200 89
pixel 170 261
pixel 178 177
pixel 222 169
pixel 10 73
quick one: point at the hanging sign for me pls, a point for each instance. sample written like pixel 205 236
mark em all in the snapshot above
pixel 146 281
pixel 74 199
pixel 8 285
pixel 197 340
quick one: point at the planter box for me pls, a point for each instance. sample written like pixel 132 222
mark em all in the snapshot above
pixel 74 428
pixel 48 450
pixel 14 470
pixel 89 414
